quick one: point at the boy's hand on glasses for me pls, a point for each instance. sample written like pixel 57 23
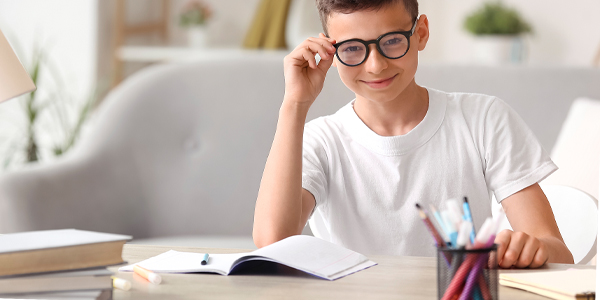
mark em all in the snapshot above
pixel 304 78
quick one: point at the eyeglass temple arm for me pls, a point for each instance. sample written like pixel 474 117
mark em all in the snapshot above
pixel 412 30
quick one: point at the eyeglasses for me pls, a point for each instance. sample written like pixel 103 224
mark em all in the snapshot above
pixel 392 45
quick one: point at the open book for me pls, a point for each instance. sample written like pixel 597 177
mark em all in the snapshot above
pixel 567 284
pixel 305 253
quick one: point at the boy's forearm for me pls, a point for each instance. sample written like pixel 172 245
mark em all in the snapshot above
pixel 278 207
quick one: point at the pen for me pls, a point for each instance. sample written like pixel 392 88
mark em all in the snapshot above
pixel 204 259
pixel 469 217
pixel 149 275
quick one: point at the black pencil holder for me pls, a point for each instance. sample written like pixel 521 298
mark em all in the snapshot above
pixel 467 274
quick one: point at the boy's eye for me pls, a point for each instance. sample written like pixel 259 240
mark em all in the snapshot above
pixel 352 49
pixel 393 41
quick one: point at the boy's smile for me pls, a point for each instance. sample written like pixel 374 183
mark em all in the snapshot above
pixel 379 84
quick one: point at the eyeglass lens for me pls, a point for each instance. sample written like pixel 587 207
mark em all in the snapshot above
pixel 393 45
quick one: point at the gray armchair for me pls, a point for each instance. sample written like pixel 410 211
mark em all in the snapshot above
pixel 176 150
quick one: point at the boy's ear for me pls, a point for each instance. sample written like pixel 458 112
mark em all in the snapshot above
pixel 334 62
pixel 422 31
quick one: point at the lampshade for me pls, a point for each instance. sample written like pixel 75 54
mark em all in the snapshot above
pixel 14 80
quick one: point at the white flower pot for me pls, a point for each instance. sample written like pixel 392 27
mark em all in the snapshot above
pixel 197 36
pixel 497 50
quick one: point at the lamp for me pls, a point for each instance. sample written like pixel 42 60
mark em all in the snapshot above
pixel 14 80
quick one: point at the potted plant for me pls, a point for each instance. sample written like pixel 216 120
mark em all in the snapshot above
pixel 499 31
pixel 194 17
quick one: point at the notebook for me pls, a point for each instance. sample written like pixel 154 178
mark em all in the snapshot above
pixel 564 284
pixel 302 252
pixel 58 250
pixel 89 279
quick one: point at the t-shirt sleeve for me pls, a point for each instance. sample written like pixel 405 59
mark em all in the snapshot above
pixel 514 159
pixel 314 164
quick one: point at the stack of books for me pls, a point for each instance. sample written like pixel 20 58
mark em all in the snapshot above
pixel 59 264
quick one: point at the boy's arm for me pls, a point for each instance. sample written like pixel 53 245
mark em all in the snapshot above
pixel 536 238
pixel 283 206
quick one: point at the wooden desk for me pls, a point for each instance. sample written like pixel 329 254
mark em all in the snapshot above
pixel 394 278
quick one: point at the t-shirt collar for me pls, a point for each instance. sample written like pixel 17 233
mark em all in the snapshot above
pixel 401 144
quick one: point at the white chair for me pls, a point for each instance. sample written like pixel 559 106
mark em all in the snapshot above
pixel 576 214
pixel 577 146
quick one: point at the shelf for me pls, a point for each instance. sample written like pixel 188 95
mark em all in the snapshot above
pixel 150 54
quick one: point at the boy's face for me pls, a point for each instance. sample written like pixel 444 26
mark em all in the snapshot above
pixel 378 78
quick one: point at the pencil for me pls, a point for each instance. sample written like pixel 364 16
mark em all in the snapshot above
pixel 436 235
pixel 440 224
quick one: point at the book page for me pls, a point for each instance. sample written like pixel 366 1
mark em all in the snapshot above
pixel 313 255
pixel 187 262
pixel 304 253
pixel 569 282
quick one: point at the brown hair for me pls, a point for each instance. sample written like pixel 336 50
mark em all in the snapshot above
pixel 326 7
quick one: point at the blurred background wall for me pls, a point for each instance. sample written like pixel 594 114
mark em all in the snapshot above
pixel 564 32
pixel 77 39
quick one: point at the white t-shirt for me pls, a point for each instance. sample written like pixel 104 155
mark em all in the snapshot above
pixel 366 185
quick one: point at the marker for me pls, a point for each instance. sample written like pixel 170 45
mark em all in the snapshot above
pixel 497 220
pixel 469 217
pixel 147 274
pixel 204 259
pixel 120 283
pixel 452 233
pixel 454 212
pixel 466 227
pixel 485 233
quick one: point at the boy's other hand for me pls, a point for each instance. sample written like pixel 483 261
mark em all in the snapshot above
pixel 520 250
pixel 304 78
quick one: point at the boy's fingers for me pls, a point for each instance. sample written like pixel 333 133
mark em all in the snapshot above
pixel 322 35
pixel 322 46
pixel 325 64
pixel 540 257
pixel 311 46
pixel 309 57
pixel 502 239
pixel 325 42
pixel 529 249
pixel 511 255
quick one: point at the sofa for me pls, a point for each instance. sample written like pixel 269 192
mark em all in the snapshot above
pixel 177 150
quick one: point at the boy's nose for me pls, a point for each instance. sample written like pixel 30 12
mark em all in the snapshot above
pixel 375 62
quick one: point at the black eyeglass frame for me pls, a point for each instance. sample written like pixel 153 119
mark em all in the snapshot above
pixel 407 34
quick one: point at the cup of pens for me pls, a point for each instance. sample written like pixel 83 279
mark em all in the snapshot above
pixel 467 266
pixel 467 273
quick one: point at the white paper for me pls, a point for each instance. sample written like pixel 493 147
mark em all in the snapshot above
pixel 187 262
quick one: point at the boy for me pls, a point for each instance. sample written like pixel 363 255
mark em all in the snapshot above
pixel 397 144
